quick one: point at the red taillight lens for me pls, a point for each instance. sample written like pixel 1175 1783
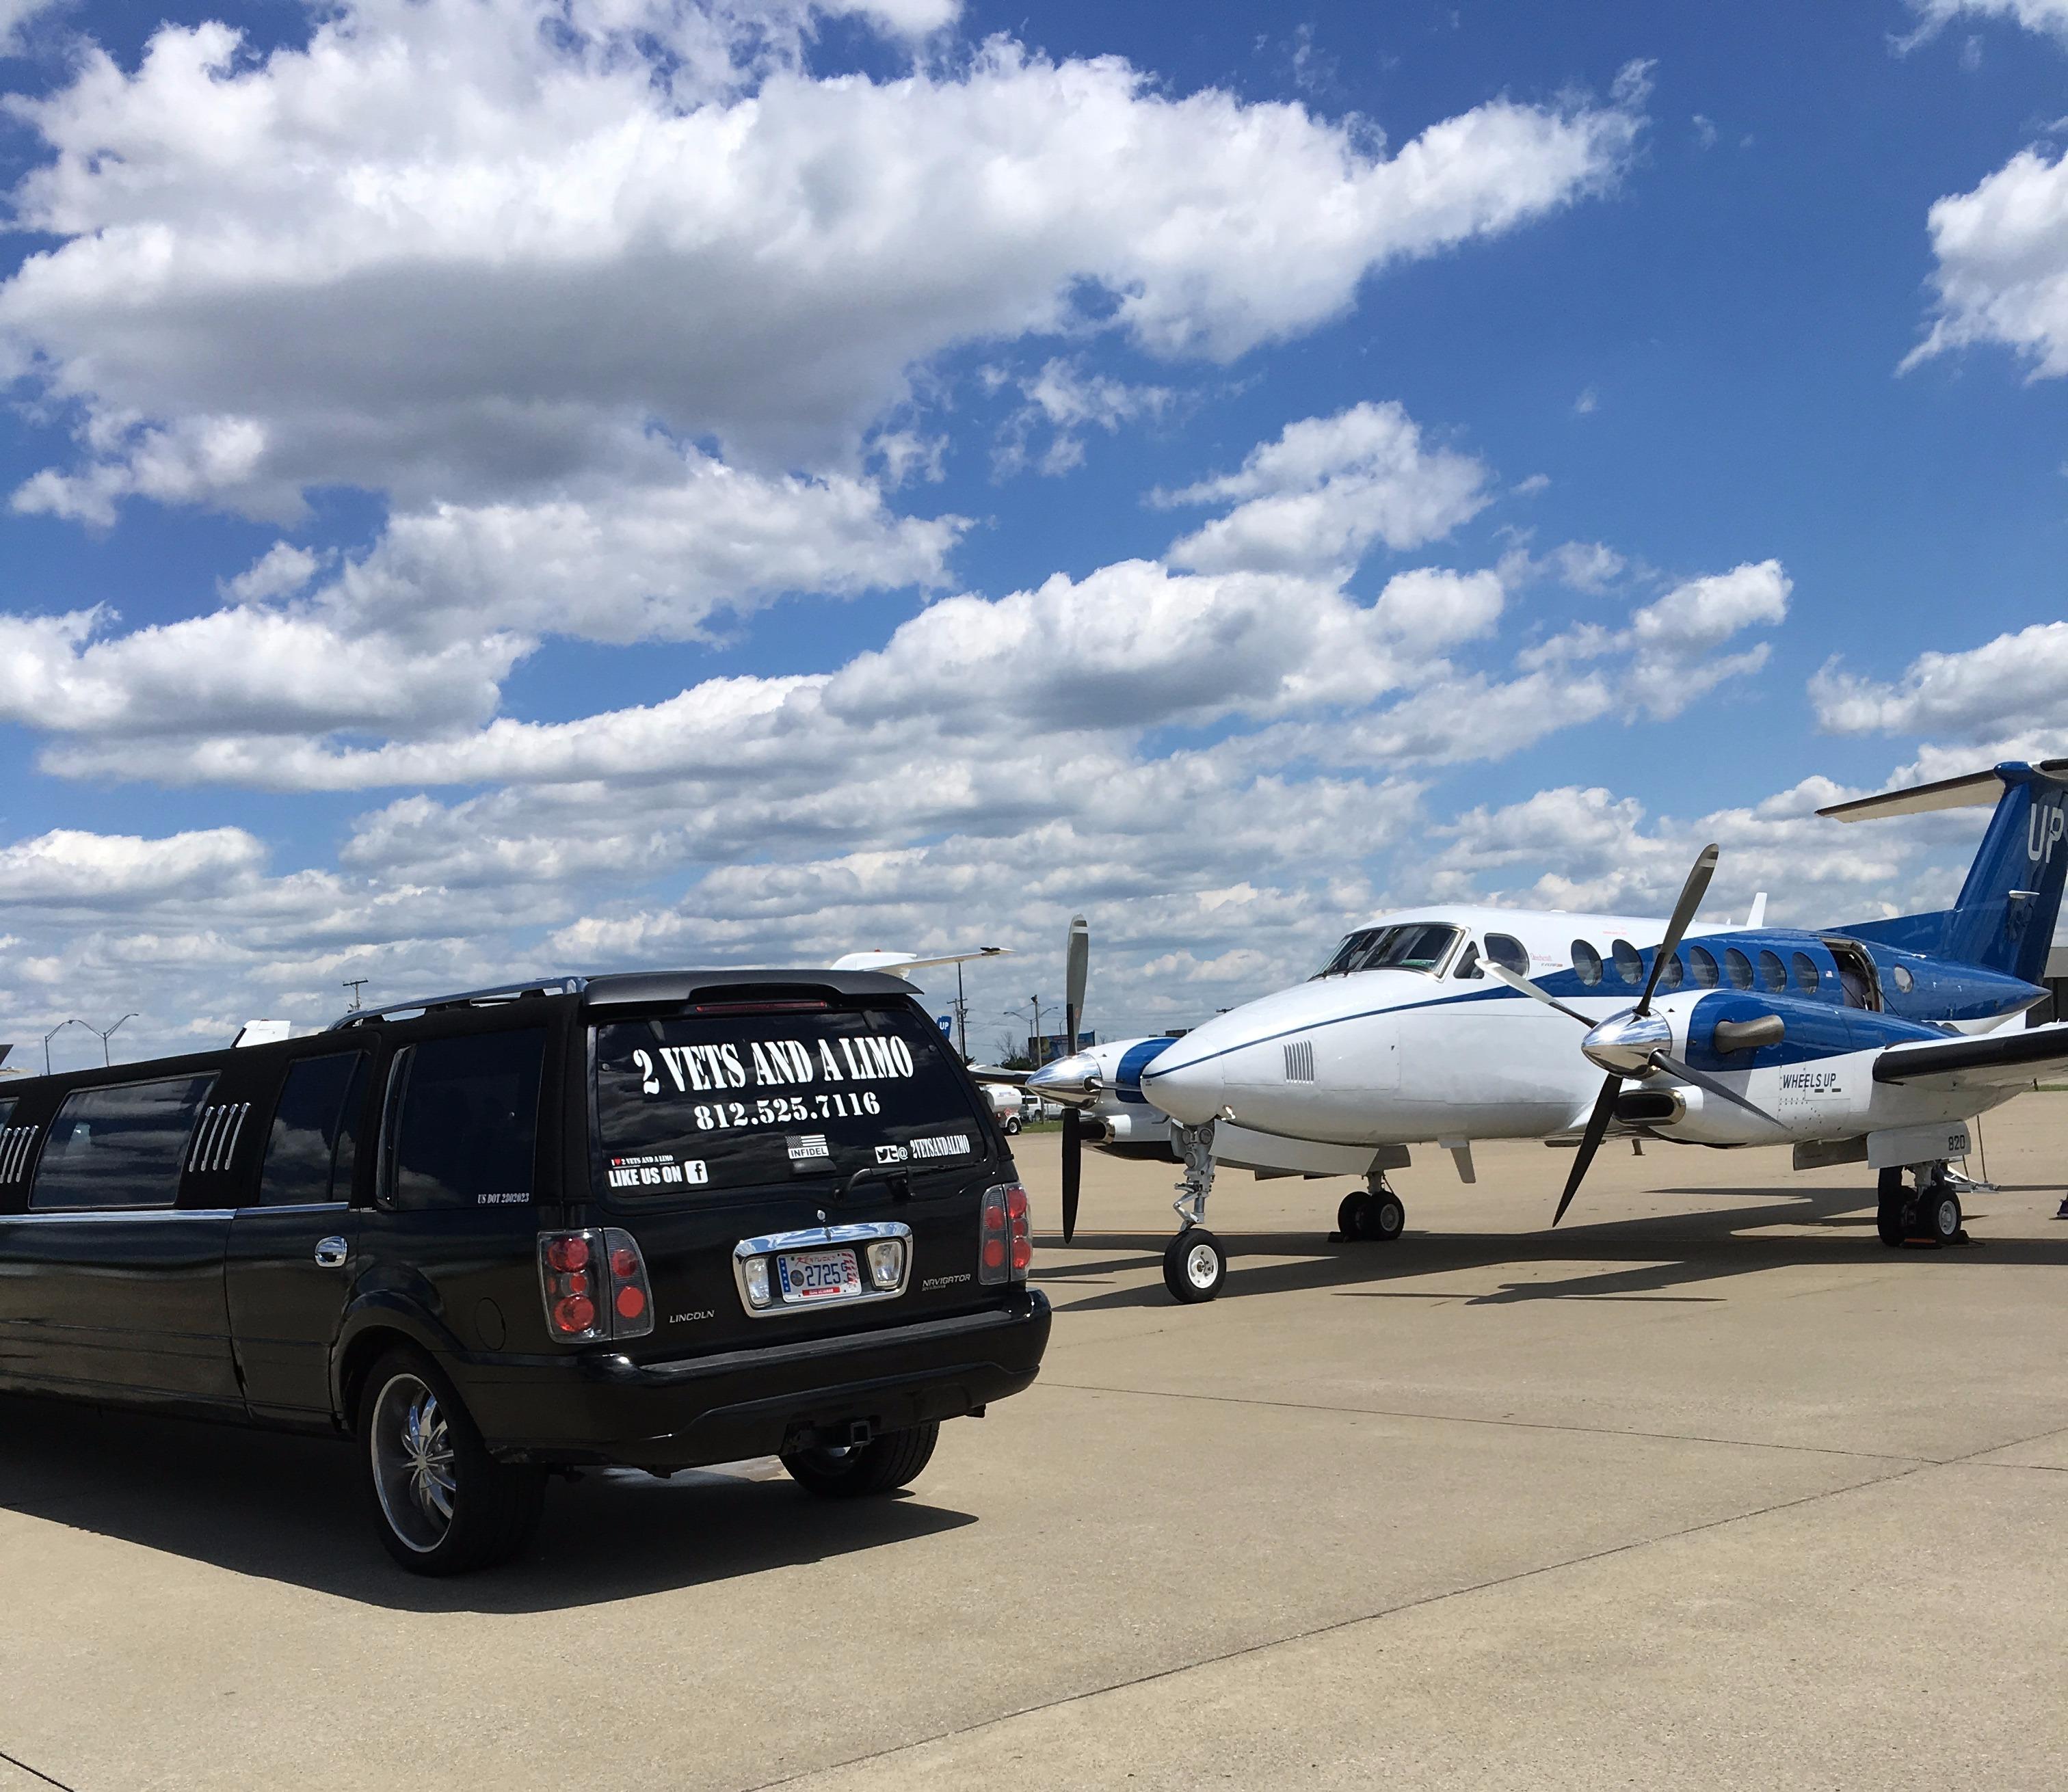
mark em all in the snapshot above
pixel 1006 1245
pixel 594 1285
pixel 1020 1228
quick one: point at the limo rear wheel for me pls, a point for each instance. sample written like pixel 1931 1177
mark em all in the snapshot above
pixel 858 1470
pixel 442 1504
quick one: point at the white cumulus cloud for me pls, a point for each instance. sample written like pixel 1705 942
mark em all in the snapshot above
pixel 455 249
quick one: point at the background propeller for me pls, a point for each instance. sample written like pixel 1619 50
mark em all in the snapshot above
pixel 1076 965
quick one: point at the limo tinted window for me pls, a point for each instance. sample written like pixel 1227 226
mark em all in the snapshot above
pixel 712 1103
pixel 466 1114
pixel 309 1152
pixel 121 1146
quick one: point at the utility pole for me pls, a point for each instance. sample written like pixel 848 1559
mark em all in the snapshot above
pixel 962 1017
pixel 104 1037
pixel 355 984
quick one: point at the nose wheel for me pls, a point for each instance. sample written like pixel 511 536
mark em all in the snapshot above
pixel 1194 1265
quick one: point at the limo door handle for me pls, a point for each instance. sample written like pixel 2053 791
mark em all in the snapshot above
pixel 331 1254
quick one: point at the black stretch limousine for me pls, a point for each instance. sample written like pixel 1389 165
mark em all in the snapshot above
pixel 660 1220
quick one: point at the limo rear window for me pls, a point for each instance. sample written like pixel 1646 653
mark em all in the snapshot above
pixel 724 1101
pixel 119 1146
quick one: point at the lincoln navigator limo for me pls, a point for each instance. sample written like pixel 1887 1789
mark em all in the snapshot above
pixel 659 1220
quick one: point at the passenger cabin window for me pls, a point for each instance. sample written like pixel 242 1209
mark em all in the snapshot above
pixel 1738 968
pixel 1771 972
pixel 1509 952
pixel 1672 974
pixel 312 1149
pixel 119 1147
pixel 1587 963
pixel 1702 962
pixel 1804 967
pixel 1903 980
pixel 1628 962
pixel 463 1114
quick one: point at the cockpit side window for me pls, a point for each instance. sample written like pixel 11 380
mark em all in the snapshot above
pixel 1509 952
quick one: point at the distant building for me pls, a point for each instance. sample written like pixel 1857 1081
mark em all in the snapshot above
pixel 1049 1047
pixel 2055 1007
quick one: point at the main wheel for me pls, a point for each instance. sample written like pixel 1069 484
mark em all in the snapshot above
pixel 1938 1216
pixel 441 1502
pixel 1349 1216
pixel 859 1471
pixel 1891 1221
pixel 1387 1218
pixel 1194 1265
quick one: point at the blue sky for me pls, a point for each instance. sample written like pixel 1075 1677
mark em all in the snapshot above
pixel 498 486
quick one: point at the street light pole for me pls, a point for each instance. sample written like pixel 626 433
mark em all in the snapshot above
pixel 51 1035
pixel 104 1037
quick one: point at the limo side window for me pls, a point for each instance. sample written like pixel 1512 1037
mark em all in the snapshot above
pixel 119 1147
pixel 463 1115
pixel 309 1153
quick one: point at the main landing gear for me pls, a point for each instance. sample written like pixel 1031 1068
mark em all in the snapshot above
pixel 1374 1214
pixel 1195 1264
pixel 1929 1213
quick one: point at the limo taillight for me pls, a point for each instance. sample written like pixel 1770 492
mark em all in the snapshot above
pixel 594 1285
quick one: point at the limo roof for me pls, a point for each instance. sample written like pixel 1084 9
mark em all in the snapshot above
pixel 643 988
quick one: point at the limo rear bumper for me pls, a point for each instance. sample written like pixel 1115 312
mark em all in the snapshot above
pixel 607 1408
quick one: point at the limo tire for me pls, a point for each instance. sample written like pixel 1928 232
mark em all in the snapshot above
pixel 442 1504
pixel 858 1471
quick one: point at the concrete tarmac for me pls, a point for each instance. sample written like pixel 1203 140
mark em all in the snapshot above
pixel 1706 1488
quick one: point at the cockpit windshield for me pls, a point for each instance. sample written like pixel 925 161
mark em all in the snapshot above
pixel 1415 946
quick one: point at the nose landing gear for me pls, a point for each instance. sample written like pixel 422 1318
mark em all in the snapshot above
pixel 1929 1213
pixel 1373 1214
pixel 1195 1263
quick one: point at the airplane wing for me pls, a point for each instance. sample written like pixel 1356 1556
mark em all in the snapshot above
pixel 912 960
pixel 1993 1060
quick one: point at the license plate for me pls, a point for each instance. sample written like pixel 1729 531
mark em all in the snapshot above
pixel 810 1275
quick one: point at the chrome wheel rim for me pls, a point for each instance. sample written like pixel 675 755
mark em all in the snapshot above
pixel 1202 1268
pixel 413 1470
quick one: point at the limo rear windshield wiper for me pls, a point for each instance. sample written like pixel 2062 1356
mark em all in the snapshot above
pixel 899 1178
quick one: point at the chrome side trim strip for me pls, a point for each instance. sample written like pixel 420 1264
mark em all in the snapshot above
pixel 101 1216
pixel 236 1132
pixel 199 1148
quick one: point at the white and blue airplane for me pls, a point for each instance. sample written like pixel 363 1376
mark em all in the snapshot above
pixel 1875 1042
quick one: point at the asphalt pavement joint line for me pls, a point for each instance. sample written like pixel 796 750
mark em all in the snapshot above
pixel 1532 1424
pixel 1271 1643
pixel 33 1773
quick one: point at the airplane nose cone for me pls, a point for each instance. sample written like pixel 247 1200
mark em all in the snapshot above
pixel 1072 1081
pixel 1191 1092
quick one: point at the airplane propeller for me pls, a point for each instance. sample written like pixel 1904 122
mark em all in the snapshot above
pixel 1636 1043
pixel 1076 965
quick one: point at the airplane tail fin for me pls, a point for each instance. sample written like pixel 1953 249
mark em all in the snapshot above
pixel 2003 918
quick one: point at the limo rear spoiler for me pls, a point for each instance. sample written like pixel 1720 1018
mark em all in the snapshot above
pixel 630 989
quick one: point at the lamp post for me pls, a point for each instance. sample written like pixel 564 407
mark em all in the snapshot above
pixel 51 1035
pixel 104 1037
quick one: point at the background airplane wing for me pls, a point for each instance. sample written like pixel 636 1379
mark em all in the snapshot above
pixel 1997 1060
pixel 914 960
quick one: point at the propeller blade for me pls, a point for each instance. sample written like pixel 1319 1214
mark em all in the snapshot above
pixel 1691 893
pixel 1516 981
pixel 1076 962
pixel 1590 1142
pixel 1672 1065
pixel 1073 1169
